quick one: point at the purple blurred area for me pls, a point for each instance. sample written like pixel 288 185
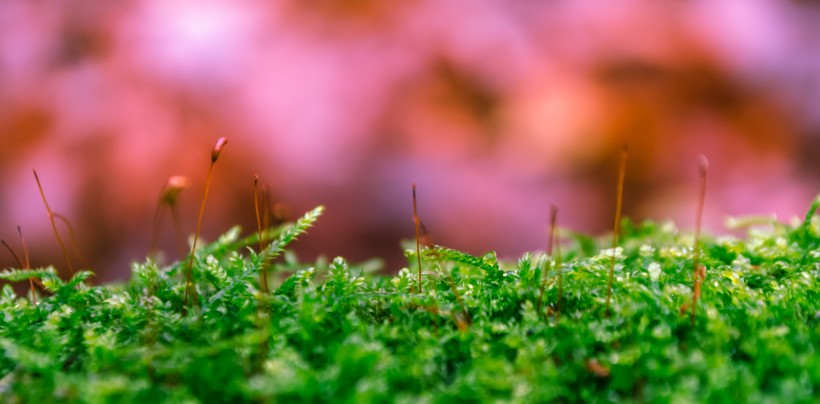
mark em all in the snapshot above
pixel 496 109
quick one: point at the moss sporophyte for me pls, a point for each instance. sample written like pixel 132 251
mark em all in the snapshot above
pixel 242 319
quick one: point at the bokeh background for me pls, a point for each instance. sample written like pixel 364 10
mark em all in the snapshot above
pixel 494 108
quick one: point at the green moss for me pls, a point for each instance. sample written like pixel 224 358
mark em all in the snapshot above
pixel 336 332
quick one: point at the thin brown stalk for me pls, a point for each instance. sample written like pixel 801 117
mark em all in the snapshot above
pixel 23 265
pixel 417 222
pixel 72 239
pixel 169 197
pixel 220 143
pixel 19 264
pixel 256 209
pixel 263 273
pixel 13 254
pixel 53 224
pixel 27 262
pixel 697 272
pixel 560 274
pixel 616 227
pixel 550 243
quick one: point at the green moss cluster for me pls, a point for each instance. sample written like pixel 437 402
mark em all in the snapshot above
pixel 336 332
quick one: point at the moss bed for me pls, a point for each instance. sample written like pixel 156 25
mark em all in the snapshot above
pixel 333 331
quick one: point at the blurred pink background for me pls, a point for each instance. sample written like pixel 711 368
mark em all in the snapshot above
pixel 494 108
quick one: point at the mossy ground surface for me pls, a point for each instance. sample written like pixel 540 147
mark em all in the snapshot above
pixel 337 332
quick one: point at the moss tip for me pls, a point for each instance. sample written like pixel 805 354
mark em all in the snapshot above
pixel 220 143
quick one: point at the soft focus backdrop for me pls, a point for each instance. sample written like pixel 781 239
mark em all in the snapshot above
pixel 494 108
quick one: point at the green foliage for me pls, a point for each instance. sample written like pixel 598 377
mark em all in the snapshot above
pixel 331 332
pixel 17 275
